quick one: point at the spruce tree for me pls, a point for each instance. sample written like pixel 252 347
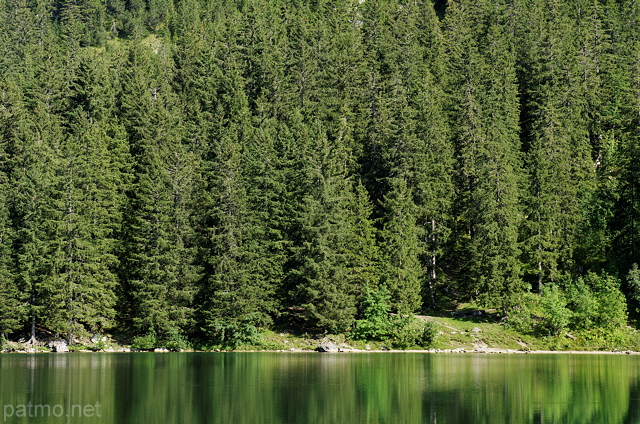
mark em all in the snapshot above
pixel 401 270
pixel 407 134
pixel 488 150
pixel 159 255
pixel 327 281
pixel 12 307
pixel 557 144
pixel 34 143
pixel 90 201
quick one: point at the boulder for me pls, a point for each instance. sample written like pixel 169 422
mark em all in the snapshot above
pixel 59 346
pixel 327 347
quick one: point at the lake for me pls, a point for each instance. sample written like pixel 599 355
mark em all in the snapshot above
pixel 319 388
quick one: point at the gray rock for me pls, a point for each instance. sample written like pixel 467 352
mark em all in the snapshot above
pixel 59 346
pixel 327 347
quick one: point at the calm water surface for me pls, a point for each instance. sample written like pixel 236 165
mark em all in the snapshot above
pixel 318 388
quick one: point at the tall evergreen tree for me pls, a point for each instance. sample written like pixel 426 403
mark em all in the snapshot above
pixel 90 201
pixel 408 133
pixel 328 279
pixel 488 146
pixel 12 307
pixel 34 141
pixel 558 149
pixel 159 256
pixel 401 268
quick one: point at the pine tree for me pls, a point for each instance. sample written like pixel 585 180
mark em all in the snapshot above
pixel 12 307
pixel 408 134
pixel 90 201
pixel 34 144
pixel 326 284
pixel 488 145
pixel 401 268
pixel 558 150
pixel 159 254
pixel 238 287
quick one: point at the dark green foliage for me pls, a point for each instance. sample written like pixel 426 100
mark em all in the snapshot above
pixel 633 280
pixel 401 268
pixel 159 253
pixel 328 246
pixel 409 331
pixel 556 316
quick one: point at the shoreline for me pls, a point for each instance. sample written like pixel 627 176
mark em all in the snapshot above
pixel 486 351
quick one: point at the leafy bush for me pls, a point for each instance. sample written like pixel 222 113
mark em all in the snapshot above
pixel 100 344
pixel 148 342
pixel 590 302
pixel 176 343
pixel 633 279
pixel 429 333
pixel 611 312
pixel 406 332
pixel 522 317
pixel 231 334
pixel 377 322
pixel 583 303
pixel 556 314
pixel 410 331
pixel 402 331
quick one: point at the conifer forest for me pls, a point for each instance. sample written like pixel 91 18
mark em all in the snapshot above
pixel 186 169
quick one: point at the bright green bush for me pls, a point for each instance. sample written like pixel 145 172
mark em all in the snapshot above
pixel 611 312
pixel 557 316
pixel 584 304
pixel 231 334
pixel 147 342
pixel 524 315
pixel 376 323
pixel 402 331
pixel 176 343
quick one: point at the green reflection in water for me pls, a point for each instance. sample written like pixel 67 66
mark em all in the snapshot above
pixel 319 388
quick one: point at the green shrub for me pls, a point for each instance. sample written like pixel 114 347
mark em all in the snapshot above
pixel 100 344
pixel 231 334
pixel 611 312
pixel 556 314
pixel 633 279
pixel 147 342
pixel 176 343
pixel 428 335
pixel 583 303
pixel 408 331
pixel 376 323
pixel 522 316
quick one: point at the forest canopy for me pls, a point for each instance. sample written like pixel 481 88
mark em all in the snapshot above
pixel 189 168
